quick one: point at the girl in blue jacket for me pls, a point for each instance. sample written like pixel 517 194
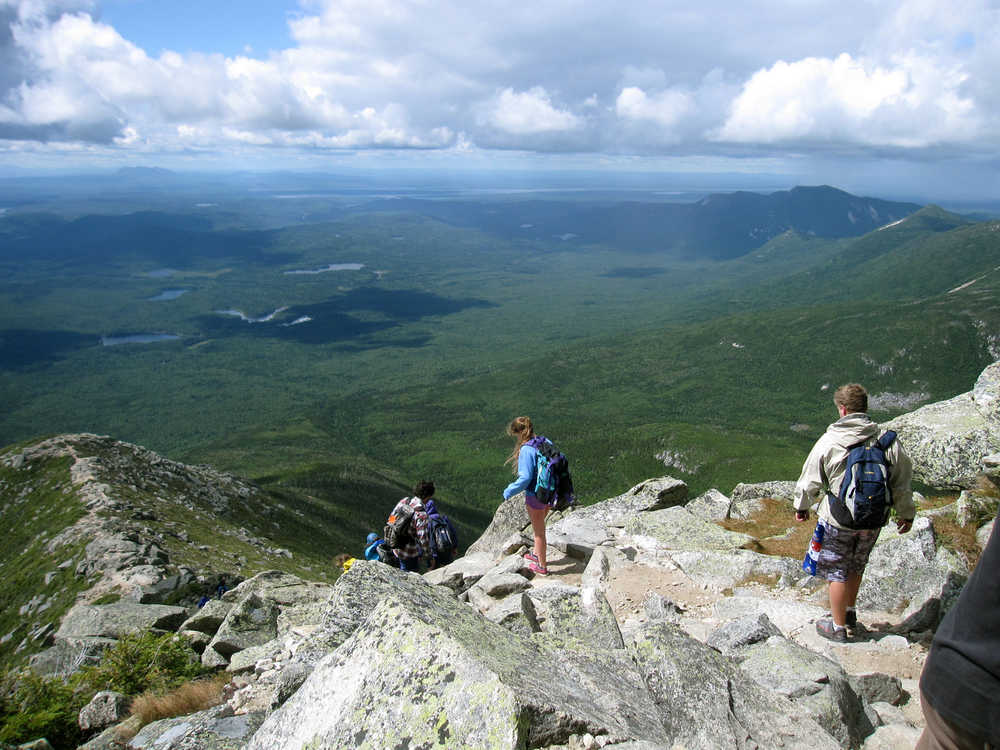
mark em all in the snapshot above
pixel 524 457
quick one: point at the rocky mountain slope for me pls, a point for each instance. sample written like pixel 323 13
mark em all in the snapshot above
pixel 667 621
pixel 92 520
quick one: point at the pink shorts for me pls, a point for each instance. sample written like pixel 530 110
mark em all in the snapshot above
pixel 534 503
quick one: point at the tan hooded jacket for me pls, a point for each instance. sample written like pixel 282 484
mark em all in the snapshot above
pixel 824 469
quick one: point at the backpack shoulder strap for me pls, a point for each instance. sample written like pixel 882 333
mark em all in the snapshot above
pixel 886 440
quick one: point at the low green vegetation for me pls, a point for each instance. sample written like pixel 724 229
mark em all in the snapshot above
pixel 38 587
pixel 32 706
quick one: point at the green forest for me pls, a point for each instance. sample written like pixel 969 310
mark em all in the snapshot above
pixel 330 347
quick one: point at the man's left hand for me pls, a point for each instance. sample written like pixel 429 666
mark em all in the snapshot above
pixel 903 526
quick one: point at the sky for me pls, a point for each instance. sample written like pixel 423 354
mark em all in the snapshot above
pixel 889 95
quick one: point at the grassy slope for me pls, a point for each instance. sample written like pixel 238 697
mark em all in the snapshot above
pixel 179 510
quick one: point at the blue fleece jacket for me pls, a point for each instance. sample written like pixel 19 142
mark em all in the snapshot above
pixel 526 468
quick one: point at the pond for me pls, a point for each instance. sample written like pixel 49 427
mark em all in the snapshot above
pixel 168 294
pixel 137 338
pixel 331 267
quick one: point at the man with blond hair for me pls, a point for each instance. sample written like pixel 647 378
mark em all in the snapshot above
pixel 844 547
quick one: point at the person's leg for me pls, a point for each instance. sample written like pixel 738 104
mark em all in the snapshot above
pixel 941 734
pixel 843 594
pixel 537 517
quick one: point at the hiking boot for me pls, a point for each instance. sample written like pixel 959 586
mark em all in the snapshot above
pixel 534 567
pixel 831 632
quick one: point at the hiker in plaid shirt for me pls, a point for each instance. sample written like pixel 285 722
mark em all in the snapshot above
pixel 419 544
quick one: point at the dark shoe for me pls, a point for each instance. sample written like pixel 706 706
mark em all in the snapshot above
pixel 831 632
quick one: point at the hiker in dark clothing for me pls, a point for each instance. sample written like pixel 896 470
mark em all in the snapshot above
pixel 960 684
pixel 444 540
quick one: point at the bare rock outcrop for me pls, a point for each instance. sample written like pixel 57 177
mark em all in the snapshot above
pixel 948 440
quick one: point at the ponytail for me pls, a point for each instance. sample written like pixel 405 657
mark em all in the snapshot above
pixel 521 430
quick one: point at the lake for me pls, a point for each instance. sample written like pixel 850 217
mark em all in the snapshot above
pixel 137 338
pixel 168 294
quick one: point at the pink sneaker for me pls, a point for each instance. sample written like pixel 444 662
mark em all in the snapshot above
pixel 534 567
pixel 531 557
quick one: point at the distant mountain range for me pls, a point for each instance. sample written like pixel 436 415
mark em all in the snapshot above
pixel 719 226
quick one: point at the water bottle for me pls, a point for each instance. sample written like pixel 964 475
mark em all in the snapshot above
pixel 812 554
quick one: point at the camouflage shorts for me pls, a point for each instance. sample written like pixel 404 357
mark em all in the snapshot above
pixel 844 551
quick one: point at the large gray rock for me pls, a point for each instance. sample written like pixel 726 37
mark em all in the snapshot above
pixel 118 619
pixel 111 738
pixel 984 533
pixel 208 618
pixel 737 634
pixel 252 621
pixel 747 499
pixel 500 585
pixel 975 508
pixel 653 494
pixel 712 505
pixel 510 518
pixel 355 596
pixel 678 529
pixel 582 529
pixel 517 614
pixel 110 552
pixel 463 573
pixel 442 676
pixel 818 686
pixel 105 708
pixel 878 688
pixel 907 574
pixel 578 614
pixel 67 655
pixel 598 570
pixel 284 589
pixel 214 729
pixel 991 468
pixel 948 440
pixel 730 568
pixel 163 586
pixel 787 615
pixel 706 701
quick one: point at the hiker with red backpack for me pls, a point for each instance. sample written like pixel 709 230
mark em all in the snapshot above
pixel 406 530
pixel 543 475
pixel 860 474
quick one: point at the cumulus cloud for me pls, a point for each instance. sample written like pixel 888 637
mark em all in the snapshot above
pixel 913 103
pixel 555 75
pixel 526 112
pixel 665 108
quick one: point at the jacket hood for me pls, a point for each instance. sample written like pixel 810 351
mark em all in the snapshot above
pixel 430 507
pixel 854 428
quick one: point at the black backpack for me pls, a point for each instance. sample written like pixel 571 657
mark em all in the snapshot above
pixel 397 531
pixel 864 500
pixel 443 541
